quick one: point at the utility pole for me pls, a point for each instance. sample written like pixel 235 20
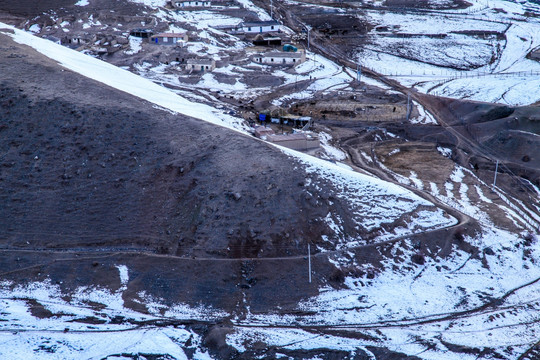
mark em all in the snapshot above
pixel 408 106
pixel 495 176
pixel 309 262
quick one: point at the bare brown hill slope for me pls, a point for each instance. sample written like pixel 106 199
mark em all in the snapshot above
pixel 83 165
pixel 91 177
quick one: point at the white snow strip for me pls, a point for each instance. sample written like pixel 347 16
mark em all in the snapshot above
pixel 124 275
pixel 134 45
pixel 123 80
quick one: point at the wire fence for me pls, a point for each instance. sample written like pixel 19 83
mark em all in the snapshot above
pixel 460 75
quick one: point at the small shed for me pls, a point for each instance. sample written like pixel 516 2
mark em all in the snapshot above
pixel 295 121
pixel 296 141
pixel 267 40
pixel 281 58
pixel 261 26
pixel 170 39
pixel 141 33
pixel 262 132
pixel 76 40
pixel 203 65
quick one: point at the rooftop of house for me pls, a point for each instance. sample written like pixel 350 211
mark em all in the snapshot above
pixel 294 117
pixel 200 61
pixel 169 35
pixel 290 137
pixel 142 30
pixel 283 54
pixel 263 129
pixel 261 23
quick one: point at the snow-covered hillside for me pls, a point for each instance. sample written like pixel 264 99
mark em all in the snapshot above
pixel 479 53
pixel 471 298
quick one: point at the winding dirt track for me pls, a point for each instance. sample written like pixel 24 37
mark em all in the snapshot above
pixel 435 105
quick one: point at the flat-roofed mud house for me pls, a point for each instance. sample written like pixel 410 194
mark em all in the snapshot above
pixel 200 65
pixel 141 33
pixel 179 39
pixel 297 141
pixel 260 26
pixel 281 58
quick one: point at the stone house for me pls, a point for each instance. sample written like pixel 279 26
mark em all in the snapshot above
pixel 201 65
pixel 260 27
pixel 281 58
pixel 170 39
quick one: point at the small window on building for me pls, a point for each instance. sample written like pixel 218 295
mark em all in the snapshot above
pixel 249 28
pixel 272 59
pixel 284 61
pixel 272 27
pixel 165 39
pixel 293 60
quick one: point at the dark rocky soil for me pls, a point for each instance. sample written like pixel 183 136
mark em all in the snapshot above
pixel 32 8
pixel 87 169
pixel 85 166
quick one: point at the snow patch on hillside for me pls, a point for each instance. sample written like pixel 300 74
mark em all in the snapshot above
pixel 479 53
pixel 124 80
pixel 373 201
pixel 440 301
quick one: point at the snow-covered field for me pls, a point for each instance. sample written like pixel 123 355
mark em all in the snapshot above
pixel 65 335
pixel 478 53
pixel 425 310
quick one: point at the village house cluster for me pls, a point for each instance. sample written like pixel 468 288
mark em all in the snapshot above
pixel 266 36
pixel 271 46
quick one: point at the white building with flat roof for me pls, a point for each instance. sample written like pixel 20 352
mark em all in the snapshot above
pixel 260 26
pixel 281 58
pixel 192 4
